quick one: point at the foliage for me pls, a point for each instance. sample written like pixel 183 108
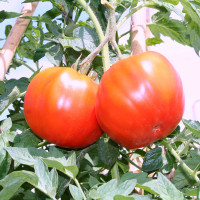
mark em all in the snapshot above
pixel 33 169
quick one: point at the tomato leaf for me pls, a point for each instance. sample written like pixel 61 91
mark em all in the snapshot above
pixel 7 15
pixel 108 152
pixel 54 55
pixel 12 182
pixel 13 90
pixel 153 41
pixel 75 192
pixel 110 189
pixel 193 126
pixel 84 37
pixel 120 197
pixel 141 177
pixel 153 160
pixel 26 139
pixel 164 188
pixel 47 181
pixel 6 125
pixel 182 179
pixel 53 158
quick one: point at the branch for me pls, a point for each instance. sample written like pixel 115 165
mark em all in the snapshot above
pixel 138 29
pixel 105 51
pixel 13 40
pixel 183 165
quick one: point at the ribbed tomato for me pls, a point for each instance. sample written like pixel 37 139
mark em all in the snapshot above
pixel 140 100
pixel 59 107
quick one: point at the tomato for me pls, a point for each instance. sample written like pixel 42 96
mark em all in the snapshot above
pixel 59 107
pixel 140 100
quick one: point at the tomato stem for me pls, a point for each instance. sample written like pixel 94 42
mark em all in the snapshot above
pixel 182 163
pixel 79 186
pixel 132 11
pixel 105 51
pixel 44 143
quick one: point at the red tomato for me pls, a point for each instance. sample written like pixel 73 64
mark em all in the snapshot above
pixel 59 107
pixel 140 100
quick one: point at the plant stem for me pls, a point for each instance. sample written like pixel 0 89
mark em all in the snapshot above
pixel 41 144
pixel 183 165
pixel 79 186
pixel 105 51
pixel 28 67
pixel 132 11
pixel 115 172
pixel 113 30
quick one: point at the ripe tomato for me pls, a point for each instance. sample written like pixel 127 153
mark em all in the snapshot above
pixel 140 100
pixel 59 107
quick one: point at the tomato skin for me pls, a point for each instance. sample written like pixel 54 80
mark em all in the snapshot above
pixel 59 107
pixel 140 100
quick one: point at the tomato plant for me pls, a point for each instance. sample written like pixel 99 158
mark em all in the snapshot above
pixel 59 104
pixel 140 100
pixel 59 107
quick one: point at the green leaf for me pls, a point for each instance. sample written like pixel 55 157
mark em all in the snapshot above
pixel 193 126
pixel 2 87
pixel 182 179
pixel 107 151
pixel 141 197
pixel 191 192
pixel 120 197
pixel 111 188
pixel 132 197
pixel 93 181
pixel 12 182
pixel 75 192
pixel 169 29
pixel 6 125
pixel 55 29
pixel 7 15
pixel 195 40
pixel 14 88
pixel 47 181
pixel 7 30
pixel 153 160
pixel 168 162
pixel 54 158
pixel 83 38
pixel 170 7
pixel 140 177
pixel 167 190
pixel 27 1
pixel 26 139
pixel 164 188
pixel 174 2
pixel 190 11
pixel 101 13
pixel 54 55
pixel 153 41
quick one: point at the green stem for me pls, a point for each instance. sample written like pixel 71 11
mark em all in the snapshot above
pixel 41 144
pixel 182 163
pixel 132 11
pixel 132 163
pixel 105 51
pixel 79 186
pixel 115 172
pixel 198 193
pixel 28 67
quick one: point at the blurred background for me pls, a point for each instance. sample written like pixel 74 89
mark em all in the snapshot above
pixel 183 58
